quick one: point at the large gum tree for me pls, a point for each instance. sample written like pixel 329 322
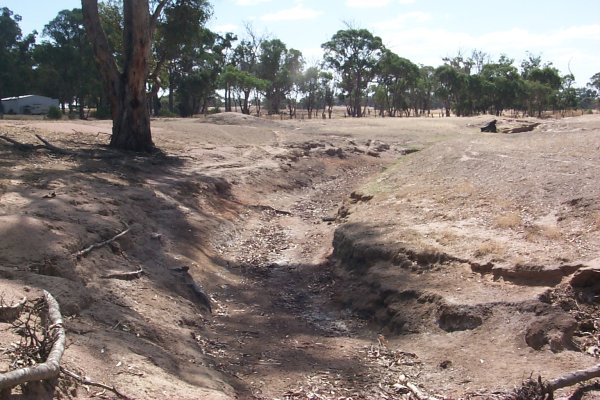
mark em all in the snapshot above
pixel 126 87
pixel 354 54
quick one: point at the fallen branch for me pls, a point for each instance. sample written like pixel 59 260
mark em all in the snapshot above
pixel 91 247
pixel 126 276
pixel 85 381
pixel 573 378
pixel 50 369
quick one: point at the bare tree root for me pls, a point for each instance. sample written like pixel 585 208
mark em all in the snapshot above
pixel 85 381
pixel 88 249
pixel 21 146
pixel 55 149
pixel 50 369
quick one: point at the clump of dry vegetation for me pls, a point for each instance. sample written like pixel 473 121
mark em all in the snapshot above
pixel 489 247
pixel 509 220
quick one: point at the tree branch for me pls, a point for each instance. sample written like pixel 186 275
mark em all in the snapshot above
pixel 154 17
pixel 51 367
pixel 573 378
pixel 91 247
pixel 85 381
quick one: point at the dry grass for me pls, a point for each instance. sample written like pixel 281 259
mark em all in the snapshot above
pixel 490 247
pixel 446 238
pixel 508 220
pixel 551 232
pixel 548 232
pixel 465 189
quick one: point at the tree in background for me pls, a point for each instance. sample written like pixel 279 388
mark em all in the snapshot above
pixel 397 79
pixel 594 86
pixel 65 64
pixel 354 54
pixel 243 70
pixel 425 90
pixel 16 65
pixel 281 68
pixel 502 83
pixel 187 57
pixel 541 84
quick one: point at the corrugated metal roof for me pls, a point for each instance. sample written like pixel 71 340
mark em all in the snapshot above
pixel 20 97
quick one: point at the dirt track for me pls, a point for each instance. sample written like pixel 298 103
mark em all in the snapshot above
pixel 445 258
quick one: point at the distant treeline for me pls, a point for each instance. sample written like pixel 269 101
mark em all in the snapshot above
pixel 194 70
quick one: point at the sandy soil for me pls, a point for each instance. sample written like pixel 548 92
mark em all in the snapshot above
pixel 309 259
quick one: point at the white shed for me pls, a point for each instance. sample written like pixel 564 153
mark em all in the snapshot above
pixel 29 104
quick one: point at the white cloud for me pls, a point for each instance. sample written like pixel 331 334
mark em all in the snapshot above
pixel 296 13
pixel 367 3
pixel 403 19
pixel 226 28
pixel 251 2
pixel 406 2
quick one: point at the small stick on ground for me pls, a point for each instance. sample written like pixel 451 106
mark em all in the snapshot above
pixel 91 247
pixel 126 276
pixel 85 381
pixel 418 393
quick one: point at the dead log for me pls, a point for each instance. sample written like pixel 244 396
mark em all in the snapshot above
pixel 573 378
pixel 50 369
pixel 91 247
pixel 490 127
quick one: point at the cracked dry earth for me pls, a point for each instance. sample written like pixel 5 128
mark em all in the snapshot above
pixel 344 259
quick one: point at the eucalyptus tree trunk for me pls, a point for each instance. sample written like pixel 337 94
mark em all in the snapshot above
pixel 126 89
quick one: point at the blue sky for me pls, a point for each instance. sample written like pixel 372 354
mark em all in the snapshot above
pixel 424 31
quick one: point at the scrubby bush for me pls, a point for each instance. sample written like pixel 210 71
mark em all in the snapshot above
pixel 54 113
pixel 164 112
pixel 102 112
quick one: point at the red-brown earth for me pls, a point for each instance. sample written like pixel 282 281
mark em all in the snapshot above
pixel 309 259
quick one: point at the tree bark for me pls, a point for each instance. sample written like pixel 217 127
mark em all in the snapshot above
pixel 126 90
